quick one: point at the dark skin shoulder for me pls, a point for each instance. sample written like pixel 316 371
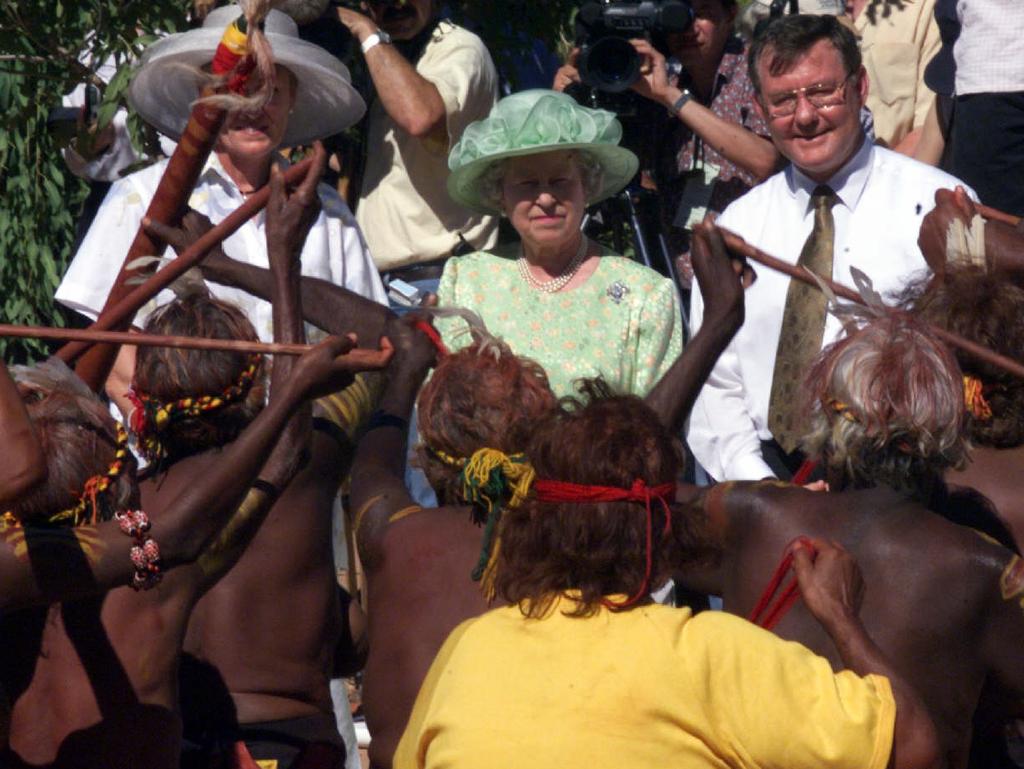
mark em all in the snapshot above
pixel 996 474
pixel 932 600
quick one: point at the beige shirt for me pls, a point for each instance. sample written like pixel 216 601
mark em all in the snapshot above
pixel 897 43
pixel 404 210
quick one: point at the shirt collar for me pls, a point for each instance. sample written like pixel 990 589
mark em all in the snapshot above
pixel 848 182
pixel 214 173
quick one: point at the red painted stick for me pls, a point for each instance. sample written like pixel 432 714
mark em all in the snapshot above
pixel 130 303
pixel 735 243
pixel 996 215
pixel 152 340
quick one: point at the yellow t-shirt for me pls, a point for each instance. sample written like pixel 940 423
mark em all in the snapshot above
pixel 650 687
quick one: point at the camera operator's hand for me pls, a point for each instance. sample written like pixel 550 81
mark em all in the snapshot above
pixel 653 82
pixel 359 25
pixel 567 74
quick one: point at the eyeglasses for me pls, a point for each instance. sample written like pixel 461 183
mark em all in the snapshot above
pixel 820 95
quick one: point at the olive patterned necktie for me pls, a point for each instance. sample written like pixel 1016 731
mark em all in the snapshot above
pixel 803 326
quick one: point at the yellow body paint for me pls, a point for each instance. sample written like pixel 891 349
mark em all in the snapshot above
pixel 1011 583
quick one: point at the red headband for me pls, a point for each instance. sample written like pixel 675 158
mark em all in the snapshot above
pixel 432 335
pixel 560 491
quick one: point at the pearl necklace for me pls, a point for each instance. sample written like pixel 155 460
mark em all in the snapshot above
pixel 555 284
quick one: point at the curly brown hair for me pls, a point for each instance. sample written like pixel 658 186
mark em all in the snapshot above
pixel 168 374
pixel 597 549
pixel 481 396
pixel 987 309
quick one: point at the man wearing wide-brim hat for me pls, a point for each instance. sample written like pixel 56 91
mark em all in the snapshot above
pixel 268 630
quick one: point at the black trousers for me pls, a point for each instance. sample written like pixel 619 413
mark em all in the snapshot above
pixel 988 148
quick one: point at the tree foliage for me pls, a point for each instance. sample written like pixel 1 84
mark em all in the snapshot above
pixel 47 47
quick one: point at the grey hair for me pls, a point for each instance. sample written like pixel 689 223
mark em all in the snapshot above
pixel 590 168
pixel 888 406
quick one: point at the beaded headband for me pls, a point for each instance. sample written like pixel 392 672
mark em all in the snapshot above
pixel 562 492
pixel 974 399
pixel 151 416
pixel 489 480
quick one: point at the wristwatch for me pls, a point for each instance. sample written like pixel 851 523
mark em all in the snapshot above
pixel 380 36
pixel 679 103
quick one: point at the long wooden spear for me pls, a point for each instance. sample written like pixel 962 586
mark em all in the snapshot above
pixel 152 340
pixel 735 243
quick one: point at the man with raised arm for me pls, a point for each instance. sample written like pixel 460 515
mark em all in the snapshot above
pixel 103 686
pixel 942 601
pixel 842 203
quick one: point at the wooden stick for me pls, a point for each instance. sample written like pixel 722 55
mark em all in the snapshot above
pixel 735 243
pixel 124 309
pixel 153 340
pixel 995 214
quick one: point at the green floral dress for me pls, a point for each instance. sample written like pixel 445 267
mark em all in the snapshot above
pixel 623 324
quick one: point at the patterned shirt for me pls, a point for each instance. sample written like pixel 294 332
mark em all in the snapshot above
pixel 683 155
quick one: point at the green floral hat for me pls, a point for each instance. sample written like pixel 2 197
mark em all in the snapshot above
pixel 529 123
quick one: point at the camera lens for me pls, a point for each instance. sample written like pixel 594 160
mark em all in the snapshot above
pixel 610 64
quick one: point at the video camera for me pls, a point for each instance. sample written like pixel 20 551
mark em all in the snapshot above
pixel 607 60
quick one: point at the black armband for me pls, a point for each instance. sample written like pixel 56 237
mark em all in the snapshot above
pixel 267 488
pixel 384 419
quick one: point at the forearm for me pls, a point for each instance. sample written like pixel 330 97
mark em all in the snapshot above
pixel 332 308
pixel 411 100
pixel 909 143
pixel 915 743
pixel 746 149
pixel 380 456
pixel 202 508
pixel 378 471
pixel 673 396
pixel 1004 249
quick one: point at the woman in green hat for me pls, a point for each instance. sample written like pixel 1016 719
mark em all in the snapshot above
pixel 556 296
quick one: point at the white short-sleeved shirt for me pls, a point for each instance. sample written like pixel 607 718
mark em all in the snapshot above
pixel 404 209
pixel 883 196
pixel 334 250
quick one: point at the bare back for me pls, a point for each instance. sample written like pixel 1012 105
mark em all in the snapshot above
pixel 996 473
pixel 269 627
pixel 419 590
pixel 932 604
pixel 101 689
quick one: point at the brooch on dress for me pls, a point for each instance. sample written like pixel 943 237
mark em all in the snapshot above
pixel 617 291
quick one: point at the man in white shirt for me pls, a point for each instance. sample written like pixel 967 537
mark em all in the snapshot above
pixel 988 124
pixel 811 85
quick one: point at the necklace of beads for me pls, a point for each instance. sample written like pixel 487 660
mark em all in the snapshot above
pixel 555 284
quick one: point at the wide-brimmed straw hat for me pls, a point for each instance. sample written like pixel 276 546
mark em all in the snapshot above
pixel 162 90
pixel 529 123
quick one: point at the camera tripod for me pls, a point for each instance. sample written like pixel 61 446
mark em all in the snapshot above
pixel 637 207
